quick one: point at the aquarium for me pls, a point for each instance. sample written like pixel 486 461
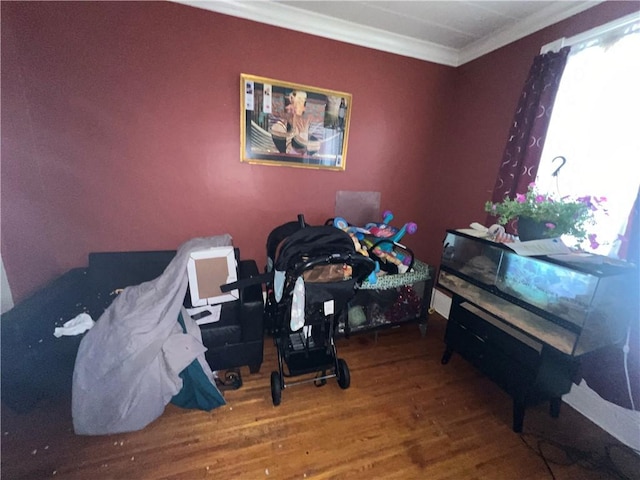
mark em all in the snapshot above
pixel 555 289
pixel 574 303
pixel 477 260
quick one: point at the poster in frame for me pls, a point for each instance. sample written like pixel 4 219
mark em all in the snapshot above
pixel 288 124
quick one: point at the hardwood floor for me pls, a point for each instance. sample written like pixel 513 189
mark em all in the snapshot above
pixel 405 416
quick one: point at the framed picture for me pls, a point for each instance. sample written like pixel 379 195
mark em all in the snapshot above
pixel 283 123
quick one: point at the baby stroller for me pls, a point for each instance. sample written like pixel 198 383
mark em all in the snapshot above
pixel 316 273
pixel 274 242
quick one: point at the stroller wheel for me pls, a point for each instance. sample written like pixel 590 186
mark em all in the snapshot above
pixel 344 379
pixel 276 389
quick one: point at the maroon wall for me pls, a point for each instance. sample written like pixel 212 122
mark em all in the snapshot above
pixel 120 131
pixel 121 127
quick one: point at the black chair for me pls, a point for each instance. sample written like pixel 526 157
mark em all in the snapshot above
pixel 37 366
pixel 234 341
pixel 237 339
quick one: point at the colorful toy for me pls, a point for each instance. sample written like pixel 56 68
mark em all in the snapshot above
pixel 356 235
pixel 385 250
pixel 384 230
pixel 342 224
pixel 369 239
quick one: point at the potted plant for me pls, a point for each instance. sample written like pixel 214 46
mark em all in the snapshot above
pixel 552 217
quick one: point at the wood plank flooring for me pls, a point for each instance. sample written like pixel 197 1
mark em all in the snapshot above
pixel 405 416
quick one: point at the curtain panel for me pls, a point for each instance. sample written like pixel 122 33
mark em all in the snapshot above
pixel 522 153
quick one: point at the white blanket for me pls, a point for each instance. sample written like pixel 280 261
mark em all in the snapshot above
pixel 128 365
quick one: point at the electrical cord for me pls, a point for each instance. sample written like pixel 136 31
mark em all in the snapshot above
pixel 625 351
pixel 574 456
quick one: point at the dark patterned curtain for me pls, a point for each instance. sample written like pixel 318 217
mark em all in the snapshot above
pixel 527 134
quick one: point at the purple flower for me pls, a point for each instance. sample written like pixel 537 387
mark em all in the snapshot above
pixel 520 198
pixel 586 200
pixel 550 225
pixel 593 243
pixel 540 198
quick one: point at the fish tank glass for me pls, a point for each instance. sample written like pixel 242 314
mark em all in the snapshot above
pixel 574 303
pixel 478 261
pixel 553 288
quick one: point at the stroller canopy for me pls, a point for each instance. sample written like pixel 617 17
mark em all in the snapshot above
pixel 313 242
pixel 277 236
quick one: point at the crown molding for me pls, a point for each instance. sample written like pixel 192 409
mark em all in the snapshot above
pixel 548 16
pixel 278 15
pixel 303 21
pixel 618 24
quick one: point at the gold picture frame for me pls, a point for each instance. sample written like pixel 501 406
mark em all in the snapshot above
pixel 288 124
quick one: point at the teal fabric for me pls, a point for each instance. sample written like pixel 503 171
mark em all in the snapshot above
pixel 198 392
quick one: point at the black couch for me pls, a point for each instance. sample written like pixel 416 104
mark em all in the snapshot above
pixel 38 366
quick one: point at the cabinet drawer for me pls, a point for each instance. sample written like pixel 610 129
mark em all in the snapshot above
pixel 508 372
pixel 463 341
pixel 496 333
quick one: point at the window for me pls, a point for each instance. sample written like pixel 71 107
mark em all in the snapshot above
pixel 595 126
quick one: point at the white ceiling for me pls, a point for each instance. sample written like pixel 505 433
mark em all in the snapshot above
pixel 446 32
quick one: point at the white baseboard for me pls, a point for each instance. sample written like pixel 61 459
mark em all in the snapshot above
pixel 6 299
pixel 619 422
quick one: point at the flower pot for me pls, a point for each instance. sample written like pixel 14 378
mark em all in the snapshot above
pixel 529 229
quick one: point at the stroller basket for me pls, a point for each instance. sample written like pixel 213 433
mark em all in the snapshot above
pixel 316 274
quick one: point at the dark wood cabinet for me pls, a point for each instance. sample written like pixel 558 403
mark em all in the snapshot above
pixel 528 370
pixel 526 321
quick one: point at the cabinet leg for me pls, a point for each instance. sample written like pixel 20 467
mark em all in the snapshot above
pixel 446 356
pixel 518 415
pixel 554 407
pixel 423 329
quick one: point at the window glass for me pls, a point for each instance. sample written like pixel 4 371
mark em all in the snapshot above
pixel 595 125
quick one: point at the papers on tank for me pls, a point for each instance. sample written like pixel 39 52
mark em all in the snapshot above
pixel 547 246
